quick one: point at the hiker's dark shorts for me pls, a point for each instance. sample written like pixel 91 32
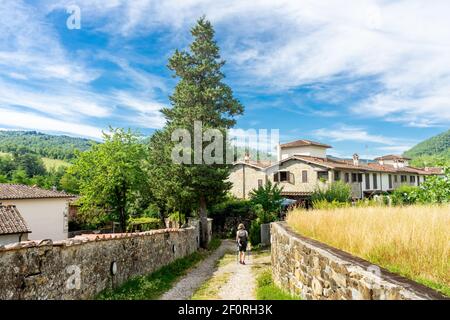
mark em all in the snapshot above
pixel 243 247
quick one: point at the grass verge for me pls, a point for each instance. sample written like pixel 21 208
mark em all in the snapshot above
pixel 265 287
pixel 152 286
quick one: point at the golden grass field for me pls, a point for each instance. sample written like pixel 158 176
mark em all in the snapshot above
pixel 413 241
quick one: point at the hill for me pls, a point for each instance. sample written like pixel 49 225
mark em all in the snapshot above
pixel 434 151
pixel 44 145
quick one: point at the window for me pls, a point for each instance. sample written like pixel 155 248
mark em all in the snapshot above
pixel 337 175
pixel 347 177
pixel 418 180
pixel 359 177
pixel 354 177
pixel 403 178
pixel 395 178
pixel 322 175
pixel 390 181
pixel 305 176
pixel 283 176
pixel 260 183
pixel 375 181
pixel 412 179
pixel 367 181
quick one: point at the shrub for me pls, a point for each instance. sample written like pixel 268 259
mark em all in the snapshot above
pixel 435 189
pixel 177 216
pixel 337 191
pixel 324 204
pixel 255 233
pixel 228 214
pixel 143 224
pixel 404 195
pixel 268 196
pixel 152 211
pixel 262 218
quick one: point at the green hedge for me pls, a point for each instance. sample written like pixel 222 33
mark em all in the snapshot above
pixel 144 224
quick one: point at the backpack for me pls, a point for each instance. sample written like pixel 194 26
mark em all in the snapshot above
pixel 242 235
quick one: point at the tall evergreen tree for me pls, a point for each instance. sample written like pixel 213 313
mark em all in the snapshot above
pixel 200 95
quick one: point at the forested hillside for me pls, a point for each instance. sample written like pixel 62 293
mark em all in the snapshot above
pixel 431 152
pixel 44 145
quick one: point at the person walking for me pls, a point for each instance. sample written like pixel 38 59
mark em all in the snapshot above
pixel 242 239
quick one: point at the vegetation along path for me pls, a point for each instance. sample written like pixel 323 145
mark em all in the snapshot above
pixel 219 276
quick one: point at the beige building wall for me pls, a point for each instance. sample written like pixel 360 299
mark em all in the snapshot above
pixel 296 167
pixel 312 151
pixel 12 238
pixel 46 218
pixel 243 186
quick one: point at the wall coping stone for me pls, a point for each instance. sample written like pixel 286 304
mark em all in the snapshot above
pixel 351 261
pixel 86 238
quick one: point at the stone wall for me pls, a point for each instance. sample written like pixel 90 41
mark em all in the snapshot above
pixel 81 267
pixel 313 270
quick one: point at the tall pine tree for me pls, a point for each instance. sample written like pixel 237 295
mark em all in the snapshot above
pixel 200 95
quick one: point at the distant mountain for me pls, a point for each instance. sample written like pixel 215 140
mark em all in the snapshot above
pixel 434 151
pixel 45 145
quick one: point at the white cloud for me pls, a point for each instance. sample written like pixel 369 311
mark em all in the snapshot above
pixel 348 133
pixel 28 120
pixel 403 46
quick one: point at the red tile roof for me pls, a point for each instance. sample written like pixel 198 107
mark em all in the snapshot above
pixel 11 222
pixel 303 143
pixel 392 157
pixel 19 191
pixel 258 164
pixel 344 164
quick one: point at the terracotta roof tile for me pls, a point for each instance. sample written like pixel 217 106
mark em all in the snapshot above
pixel 11 222
pixel 302 143
pixel 392 157
pixel 19 191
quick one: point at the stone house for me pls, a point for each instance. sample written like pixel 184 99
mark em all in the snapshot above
pixel 44 211
pixel 13 227
pixel 303 165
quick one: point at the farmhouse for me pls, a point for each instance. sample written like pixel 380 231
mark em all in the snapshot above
pixel 13 227
pixel 303 165
pixel 45 211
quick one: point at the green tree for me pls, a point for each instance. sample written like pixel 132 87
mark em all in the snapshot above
pixel 200 95
pixel 111 175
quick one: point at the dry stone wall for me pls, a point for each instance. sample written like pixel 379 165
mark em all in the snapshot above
pixel 313 270
pixel 81 267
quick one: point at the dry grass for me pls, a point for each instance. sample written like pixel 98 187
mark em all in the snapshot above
pixel 413 241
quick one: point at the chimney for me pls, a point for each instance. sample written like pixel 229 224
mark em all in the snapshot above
pixel 247 158
pixel 355 159
pixel 54 188
pixel 381 162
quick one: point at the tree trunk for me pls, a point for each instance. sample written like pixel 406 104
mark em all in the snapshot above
pixel 204 223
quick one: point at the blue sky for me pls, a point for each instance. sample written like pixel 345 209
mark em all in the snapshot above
pixel 371 77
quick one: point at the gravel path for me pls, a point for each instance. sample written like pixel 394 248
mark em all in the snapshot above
pixel 242 283
pixel 186 287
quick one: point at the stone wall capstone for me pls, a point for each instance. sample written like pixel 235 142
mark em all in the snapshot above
pixel 313 270
pixel 81 267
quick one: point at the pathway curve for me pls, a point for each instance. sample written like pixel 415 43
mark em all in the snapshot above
pixel 240 284
pixel 186 287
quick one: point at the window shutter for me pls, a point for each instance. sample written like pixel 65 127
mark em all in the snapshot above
pixel 275 177
pixel 304 176
pixel 291 178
